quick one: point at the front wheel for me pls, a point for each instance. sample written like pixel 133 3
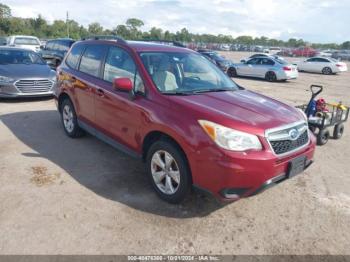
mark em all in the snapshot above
pixel 168 171
pixel 232 72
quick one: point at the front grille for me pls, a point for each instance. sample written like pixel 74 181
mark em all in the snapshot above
pixel 282 141
pixel 285 146
pixel 34 86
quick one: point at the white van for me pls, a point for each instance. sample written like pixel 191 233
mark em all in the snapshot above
pixel 23 41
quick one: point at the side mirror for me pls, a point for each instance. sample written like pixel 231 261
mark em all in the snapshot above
pixel 123 84
pixel 243 61
pixel 42 47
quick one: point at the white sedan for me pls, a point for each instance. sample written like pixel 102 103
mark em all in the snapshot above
pixel 324 65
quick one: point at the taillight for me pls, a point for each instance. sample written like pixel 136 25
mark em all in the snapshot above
pixel 339 65
pixel 287 68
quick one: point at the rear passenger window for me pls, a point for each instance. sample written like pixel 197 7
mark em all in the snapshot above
pixel 73 57
pixel 91 60
pixel 266 61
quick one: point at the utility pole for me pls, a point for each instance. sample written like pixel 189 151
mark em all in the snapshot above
pixel 67 24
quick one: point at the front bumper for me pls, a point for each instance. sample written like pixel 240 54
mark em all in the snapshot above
pixel 234 175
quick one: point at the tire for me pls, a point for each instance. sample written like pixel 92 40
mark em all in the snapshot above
pixel 271 76
pixel 69 119
pixel 232 72
pixel 323 137
pixel 338 131
pixel 171 188
pixel 327 71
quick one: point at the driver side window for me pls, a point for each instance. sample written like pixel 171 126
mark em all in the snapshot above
pixel 120 64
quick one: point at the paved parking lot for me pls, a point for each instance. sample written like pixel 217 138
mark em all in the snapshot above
pixel 64 196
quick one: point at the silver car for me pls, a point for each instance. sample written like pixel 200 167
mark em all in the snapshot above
pixel 24 73
pixel 269 68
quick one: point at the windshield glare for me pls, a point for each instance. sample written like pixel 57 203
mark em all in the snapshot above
pixel 185 73
pixel 26 41
pixel 19 57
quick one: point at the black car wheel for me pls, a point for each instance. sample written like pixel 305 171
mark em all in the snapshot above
pixel 338 131
pixel 168 171
pixel 327 71
pixel 271 76
pixel 231 72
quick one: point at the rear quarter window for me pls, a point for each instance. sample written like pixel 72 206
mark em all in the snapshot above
pixel 73 57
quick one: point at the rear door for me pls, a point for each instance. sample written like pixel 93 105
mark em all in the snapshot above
pixel 265 65
pixel 87 81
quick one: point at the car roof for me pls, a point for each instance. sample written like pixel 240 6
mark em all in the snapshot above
pixel 15 48
pixel 140 46
pixel 26 36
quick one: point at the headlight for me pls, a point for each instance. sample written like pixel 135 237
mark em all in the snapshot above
pixel 6 80
pixel 230 139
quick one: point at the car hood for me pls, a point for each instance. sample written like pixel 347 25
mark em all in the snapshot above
pixel 241 109
pixel 21 71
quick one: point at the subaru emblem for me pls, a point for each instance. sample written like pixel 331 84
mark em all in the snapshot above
pixel 294 134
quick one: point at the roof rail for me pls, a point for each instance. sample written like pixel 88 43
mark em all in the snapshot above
pixel 104 37
pixel 164 42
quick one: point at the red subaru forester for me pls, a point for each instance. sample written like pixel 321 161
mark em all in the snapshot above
pixel 190 123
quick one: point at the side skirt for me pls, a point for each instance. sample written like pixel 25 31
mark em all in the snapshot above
pixel 108 140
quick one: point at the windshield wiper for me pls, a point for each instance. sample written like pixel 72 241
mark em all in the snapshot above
pixel 178 93
pixel 212 90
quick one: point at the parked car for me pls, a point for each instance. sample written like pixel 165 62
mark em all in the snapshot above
pixel 223 63
pixel 262 55
pixel 186 119
pixel 343 55
pixel 324 65
pixel 55 50
pixel 23 41
pixel 3 40
pixel 274 50
pixel 304 52
pixel 24 73
pixel 268 68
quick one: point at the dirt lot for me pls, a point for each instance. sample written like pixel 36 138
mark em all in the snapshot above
pixel 64 196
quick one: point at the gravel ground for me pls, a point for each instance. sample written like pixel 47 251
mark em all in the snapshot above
pixel 64 196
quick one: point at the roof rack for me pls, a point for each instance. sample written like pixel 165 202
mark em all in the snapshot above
pixel 104 37
pixel 164 42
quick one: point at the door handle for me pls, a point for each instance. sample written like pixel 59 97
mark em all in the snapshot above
pixel 100 92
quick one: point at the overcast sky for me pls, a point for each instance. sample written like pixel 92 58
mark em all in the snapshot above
pixel 313 20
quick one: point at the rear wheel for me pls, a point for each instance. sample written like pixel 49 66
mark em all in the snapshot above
pixel 271 76
pixel 69 119
pixel 168 171
pixel 338 131
pixel 232 72
pixel 327 71
pixel 323 137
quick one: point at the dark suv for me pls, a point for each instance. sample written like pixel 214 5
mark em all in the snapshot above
pixel 55 50
pixel 185 118
pixel 224 64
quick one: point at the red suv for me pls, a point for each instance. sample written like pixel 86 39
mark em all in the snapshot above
pixel 179 113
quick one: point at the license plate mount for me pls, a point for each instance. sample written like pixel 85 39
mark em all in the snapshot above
pixel 296 166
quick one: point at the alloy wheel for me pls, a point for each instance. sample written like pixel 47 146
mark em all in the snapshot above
pixel 165 172
pixel 68 118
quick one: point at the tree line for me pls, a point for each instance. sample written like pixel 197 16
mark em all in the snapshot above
pixel 132 30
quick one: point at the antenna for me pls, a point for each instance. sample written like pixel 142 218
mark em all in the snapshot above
pixel 67 24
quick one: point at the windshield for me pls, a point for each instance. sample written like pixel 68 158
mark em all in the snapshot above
pixel 185 73
pixel 26 41
pixel 20 57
